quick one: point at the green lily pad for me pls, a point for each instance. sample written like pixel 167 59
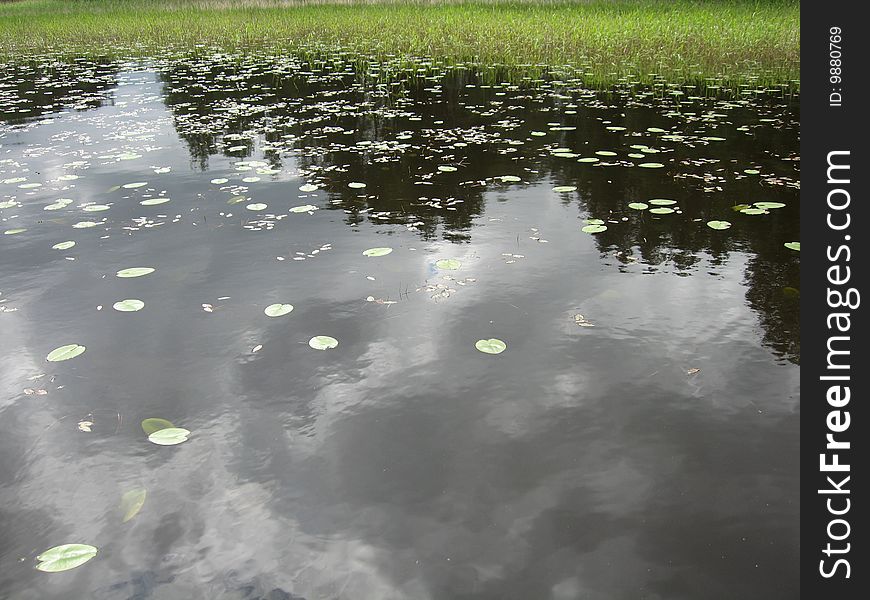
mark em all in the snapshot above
pixel 662 202
pixel 322 342
pixel 169 436
pixel 446 168
pixel 128 305
pixel 491 346
pixel 134 185
pixel 135 272
pixel 638 206
pixel 14 231
pixel 65 557
pixel 84 224
pixel 304 208
pixel 154 424
pixel 154 201
pixel 661 210
pixel 564 189
pixel 63 245
pixel 510 179
pixel 594 228
pixel 718 225
pixel 96 207
pixel 65 352
pixel 739 207
pixel 448 264
pixel 651 165
pixel 588 159
pixel 754 211
pixel 769 205
pixel 278 310
pixel 131 503
pixel 308 187
pixel 605 153
pixel 357 185
pixel 377 252
pixel 257 206
pixel 796 246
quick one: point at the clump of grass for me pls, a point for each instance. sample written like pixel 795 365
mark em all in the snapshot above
pixel 681 40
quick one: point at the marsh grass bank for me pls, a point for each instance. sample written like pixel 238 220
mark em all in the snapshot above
pixel 681 40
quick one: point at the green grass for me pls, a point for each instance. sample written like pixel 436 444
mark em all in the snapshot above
pixel 684 40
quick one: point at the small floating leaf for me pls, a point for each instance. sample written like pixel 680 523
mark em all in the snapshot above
pixel 131 503
pixel 446 168
pixel 718 224
pixel 661 210
pixel 793 246
pixel 357 185
pixel 96 207
pixel 128 305
pixel 134 185
pixel 510 178
pixel 63 245
pixel 491 346
pixel 154 424
pixel 377 251
pixel 588 159
pixel 638 205
pixel 322 342
pixel 84 224
pixel 308 187
pixel 65 557
pixel 14 231
pixel 662 202
pixel 278 310
pixel 564 189
pixel 651 165
pixel 448 264
pixel 219 180
pixel 304 208
pixel 769 205
pixel 154 201
pixel 169 436
pixel 135 272
pixel 257 206
pixel 65 352
pixel 594 228
pixel 754 211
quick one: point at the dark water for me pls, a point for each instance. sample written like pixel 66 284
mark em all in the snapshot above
pixel 653 454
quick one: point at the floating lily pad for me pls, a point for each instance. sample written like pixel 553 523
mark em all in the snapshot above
pixel 65 557
pixel 135 272
pixel 796 246
pixel 63 245
pixel 304 208
pixel 322 342
pixel 357 185
pixel 131 503
pixel 510 178
pixel 134 185
pixel 377 251
pixel 651 165
pixel 594 228
pixel 718 225
pixel 257 206
pixel 740 207
pixel 661 210
pixel 154 201
pixel 308 187
pixel 638 205
pixel 754 211
pixel 448 264
pixel 128 305
pixel 84 224
pixel 278 310
pixel 153 424
pixel 14 231
pixel 769 205
pixel 96 207
pixel 491 346
pixel 605 153
pixel 662 202
pixel 588 159
pixel 169 436
pixel 564 189
pixel 219 180
pixel 751 171
pixel 446 168
pixel 65 352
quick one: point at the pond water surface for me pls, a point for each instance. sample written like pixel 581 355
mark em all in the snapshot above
pixel 637 438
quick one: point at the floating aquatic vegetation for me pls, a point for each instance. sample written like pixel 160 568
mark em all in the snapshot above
pixel 129 305
pixel 65 557
pixel 63 245
pixel 719 225
pixel 169 436
pixel 323 342
pixel 491 346
pixel 135 272
pixel 448 264
pixel 65 352
pixel 131 503
pixel 796 246
pixel 278 310
pixel 372 252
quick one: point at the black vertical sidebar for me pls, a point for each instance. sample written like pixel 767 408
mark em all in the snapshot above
pixel 835 234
